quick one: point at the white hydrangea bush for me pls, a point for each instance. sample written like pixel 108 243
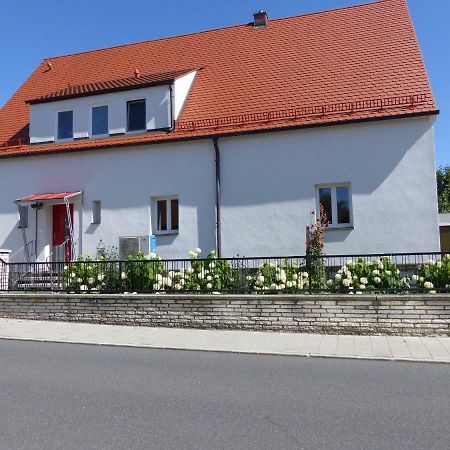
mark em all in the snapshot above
pixel 204 275
pixel 434 275
pixel 91 275
pixel 364 276
pixel 272 276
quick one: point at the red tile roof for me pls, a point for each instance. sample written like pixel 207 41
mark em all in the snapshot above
pixel 49 196
pixel 349 64
pixel 103 87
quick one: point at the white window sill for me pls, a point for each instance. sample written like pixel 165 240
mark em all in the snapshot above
pixel 166 233
pixel 144 130
pixel 99 136
pixel 337 228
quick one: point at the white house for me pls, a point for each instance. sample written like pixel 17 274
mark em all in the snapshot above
pixel 227 139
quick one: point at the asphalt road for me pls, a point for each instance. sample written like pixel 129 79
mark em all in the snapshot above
pixel 90 397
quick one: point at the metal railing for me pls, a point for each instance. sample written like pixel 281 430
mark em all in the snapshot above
pixel 26 253
pixel 352 274
pixel 379 104
pixel 15 143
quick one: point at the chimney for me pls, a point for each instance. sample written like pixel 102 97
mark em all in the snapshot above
pixel 260 19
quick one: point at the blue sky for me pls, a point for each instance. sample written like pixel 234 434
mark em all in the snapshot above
pixel 31 30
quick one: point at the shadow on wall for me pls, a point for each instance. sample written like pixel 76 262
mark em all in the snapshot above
pixel 14 240
pixel 365 154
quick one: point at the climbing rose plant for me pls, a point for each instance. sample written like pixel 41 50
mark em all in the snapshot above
pixel 314 249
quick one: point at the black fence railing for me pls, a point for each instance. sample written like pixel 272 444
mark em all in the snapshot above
pixel 353 274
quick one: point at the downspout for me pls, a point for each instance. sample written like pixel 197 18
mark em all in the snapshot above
pixel 218 199
pixel 36 206
pixel 172 100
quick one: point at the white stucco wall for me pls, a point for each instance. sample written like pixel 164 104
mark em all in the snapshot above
pixel 444 219
pixel 44 116
pixel 124 181
pixel 268 190
pixel 182 87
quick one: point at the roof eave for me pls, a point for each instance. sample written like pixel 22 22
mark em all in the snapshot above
pixel 36 152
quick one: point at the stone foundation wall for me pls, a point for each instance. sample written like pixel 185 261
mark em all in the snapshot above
pixel 388 314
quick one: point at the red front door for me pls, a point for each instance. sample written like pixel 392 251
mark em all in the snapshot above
pixel 61 229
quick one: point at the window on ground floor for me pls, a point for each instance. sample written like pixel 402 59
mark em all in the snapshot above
pixel 167 216
pixel 337 204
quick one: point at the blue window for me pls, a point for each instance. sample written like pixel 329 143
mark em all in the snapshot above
pixel 100 120
pixel 136 116
pixel 65 125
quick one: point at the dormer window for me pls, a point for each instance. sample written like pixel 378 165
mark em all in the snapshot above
pixel 136 115
pixel 100 121
pixel 110 108
pixel 65 125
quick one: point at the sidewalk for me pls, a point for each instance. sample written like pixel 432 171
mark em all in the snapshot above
pixel 399 348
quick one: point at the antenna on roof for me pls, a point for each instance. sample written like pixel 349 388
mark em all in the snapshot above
pixel 136 73
pixel 49 65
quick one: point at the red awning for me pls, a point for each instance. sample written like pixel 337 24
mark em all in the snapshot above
pixel 49 196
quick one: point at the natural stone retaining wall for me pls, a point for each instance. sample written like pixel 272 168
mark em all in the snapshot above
pixel 388 314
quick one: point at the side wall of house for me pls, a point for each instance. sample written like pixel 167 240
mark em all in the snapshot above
pixel 269 182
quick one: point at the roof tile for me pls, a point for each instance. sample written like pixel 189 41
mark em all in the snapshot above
pixel 361 53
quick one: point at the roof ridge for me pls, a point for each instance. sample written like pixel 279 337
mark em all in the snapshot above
pixel 358 5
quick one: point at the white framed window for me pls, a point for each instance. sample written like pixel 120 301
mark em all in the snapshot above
pixel 99 120
pixel 23 216
pixel 96 212
pixel 65 125
pixel 166 218
pixel 336 200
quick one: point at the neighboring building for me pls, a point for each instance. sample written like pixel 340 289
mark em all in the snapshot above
pixel 227 139
pixel 444 229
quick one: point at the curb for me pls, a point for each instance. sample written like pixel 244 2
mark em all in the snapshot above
pixel 243 352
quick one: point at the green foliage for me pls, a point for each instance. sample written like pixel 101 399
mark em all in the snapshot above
pixel 360 276
pixel 151 274
pixel 279 277
pixel 210 274
pixel 443 189
pixel 434 275
pixel 87 275
pixel 142 273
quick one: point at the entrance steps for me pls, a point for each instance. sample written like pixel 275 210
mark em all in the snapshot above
pixel 31 281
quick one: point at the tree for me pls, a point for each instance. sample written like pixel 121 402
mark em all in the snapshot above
pixel 443 188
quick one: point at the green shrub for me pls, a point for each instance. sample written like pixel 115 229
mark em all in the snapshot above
pixel 87 275
pixel 279 277
pixel 434 275
pixel 379 275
